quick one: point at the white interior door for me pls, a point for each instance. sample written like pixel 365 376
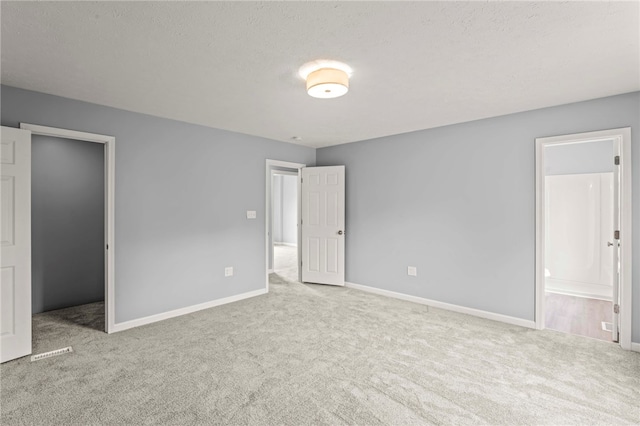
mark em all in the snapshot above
pixel 15 233
pixel 616 246
pixel 323 225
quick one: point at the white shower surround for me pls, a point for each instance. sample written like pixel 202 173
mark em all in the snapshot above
pixel 579 212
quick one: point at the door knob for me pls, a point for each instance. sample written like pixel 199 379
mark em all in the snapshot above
pixel 340 232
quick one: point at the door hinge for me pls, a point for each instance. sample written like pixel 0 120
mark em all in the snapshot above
pixel 616 160
pixel 616 309
pixel 616 235
pixel 107 246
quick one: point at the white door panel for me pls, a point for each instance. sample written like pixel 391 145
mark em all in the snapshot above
pixel 323 213
pixel 15 237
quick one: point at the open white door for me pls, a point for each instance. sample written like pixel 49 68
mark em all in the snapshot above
pixel 615 321
pixel 15 233
pixel 323 225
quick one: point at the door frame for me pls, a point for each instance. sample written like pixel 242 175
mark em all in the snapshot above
pixel 109 210
pixel 267 211
pixel 623 137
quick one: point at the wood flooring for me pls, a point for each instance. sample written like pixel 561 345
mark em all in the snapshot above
pixel 577 315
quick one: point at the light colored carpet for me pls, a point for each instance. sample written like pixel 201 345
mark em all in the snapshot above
pixel 285 261
pixel 310 354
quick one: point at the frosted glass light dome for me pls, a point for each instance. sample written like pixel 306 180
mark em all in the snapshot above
pixel 326 79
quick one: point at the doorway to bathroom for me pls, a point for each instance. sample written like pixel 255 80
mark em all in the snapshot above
pixel 583 273
pixel 578 239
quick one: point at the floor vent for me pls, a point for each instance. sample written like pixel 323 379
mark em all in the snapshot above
pixel 607 326
pixel 57 352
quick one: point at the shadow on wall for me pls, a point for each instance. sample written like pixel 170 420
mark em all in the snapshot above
pixel 67 223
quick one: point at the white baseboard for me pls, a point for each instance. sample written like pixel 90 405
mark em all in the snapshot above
pixel 447 306
pixel 635 347
pixel 579 289
pixel 186 310
pixel 286 244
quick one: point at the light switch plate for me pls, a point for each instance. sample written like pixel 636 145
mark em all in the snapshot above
pixel 251 214
pixel 228 271
pixel 412 270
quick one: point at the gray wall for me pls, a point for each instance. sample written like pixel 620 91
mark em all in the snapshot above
pixel 271 207
pixel 67 233
pixel 592 157
pixel 289 209
pixel 276 208
pixel 285 209
pixel 458 203
pixel 181 197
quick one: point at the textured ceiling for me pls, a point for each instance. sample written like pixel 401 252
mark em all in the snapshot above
pixel 233 65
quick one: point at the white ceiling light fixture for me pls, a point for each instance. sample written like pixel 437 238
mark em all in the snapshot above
pixel 326 78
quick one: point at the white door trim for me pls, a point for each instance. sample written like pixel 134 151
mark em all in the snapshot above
pixel 267 210
pixel 623 136
pixel 109 231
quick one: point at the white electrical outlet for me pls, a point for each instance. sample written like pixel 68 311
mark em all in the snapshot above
pixel 412 270
pixel 228 271
pixel 251 214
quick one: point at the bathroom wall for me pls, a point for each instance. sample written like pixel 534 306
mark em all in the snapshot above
pixel 590 157
pixel 579 217
pixel 579 222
